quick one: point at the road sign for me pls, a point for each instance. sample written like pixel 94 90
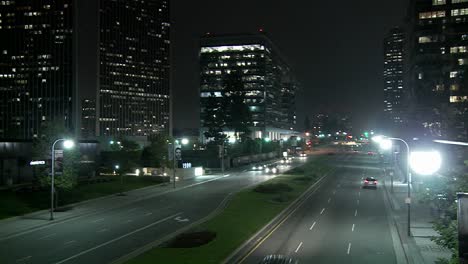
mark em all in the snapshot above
pixel 37 162
pixel 407 200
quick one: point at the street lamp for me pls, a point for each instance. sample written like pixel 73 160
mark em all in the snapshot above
pixel 424 163
pixel 67 144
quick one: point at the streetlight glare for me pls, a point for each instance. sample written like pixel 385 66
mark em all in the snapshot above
pixel 425 163
pixel 385 144
pixel 68 144
pixel 377 139
pixel 184 141
pixel 232 140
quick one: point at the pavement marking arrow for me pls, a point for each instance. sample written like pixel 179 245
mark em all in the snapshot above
pixel 181 220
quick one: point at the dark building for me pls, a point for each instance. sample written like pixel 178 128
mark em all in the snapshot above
pixel 393 76
pixel 36 66
pixel 113 52
pixel 267 81
pixel 88 119
pixel 438 66
pixel 134 68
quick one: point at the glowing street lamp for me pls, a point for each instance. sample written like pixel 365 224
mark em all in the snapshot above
pixel 425 163
pixel 67 144
pixel 184 141
pixel 385 144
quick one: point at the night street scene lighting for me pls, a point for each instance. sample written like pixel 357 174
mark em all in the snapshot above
pixel 250 132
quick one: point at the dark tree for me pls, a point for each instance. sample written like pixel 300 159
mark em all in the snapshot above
pixel 239 117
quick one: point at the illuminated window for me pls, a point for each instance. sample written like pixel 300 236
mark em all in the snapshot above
pixel 459 1
pixel 458 99
pixel 438 2
pixel 461 61
pixel 453 74
pixel 454 87
pixel 460 12
pixel 459 49
pixel 232 48
pixel 434 14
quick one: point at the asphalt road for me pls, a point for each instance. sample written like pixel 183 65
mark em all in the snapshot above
pixel 105 236
pixel 339 223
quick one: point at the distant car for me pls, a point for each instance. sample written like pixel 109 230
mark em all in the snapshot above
pixel 370 153
pixel 370 182
pixel 257 167
pixel 278 259
pixel 271 169
pixel 302 155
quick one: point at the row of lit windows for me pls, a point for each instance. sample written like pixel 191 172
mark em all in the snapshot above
pixel 443 2
pixel 460 12
pixel 232 48
pixel 433 14
pixel 459 49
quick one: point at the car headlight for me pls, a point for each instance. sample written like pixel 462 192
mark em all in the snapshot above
pixel 254 168
pixel 274 170
pixel 267 170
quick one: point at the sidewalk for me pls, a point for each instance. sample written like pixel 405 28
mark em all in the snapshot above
pixel 418 248
pixel 16 226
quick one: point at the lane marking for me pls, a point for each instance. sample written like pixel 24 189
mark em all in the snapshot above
pixel 298 247
pixel 23 259
pixel 329 199
pixel 117 239
pixel 148 214
pixel 359 194
pixel 334 192
pixel 70 242
pixel 98 220
pixel 349 248
pixel 355 213
pixel 128 221
pixel 44 237
pixel 312 227
pixel 133 209
pixel 323 210
pixel 352 229
pixel 358 201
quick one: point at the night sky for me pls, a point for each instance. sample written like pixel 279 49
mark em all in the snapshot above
pixel 334 47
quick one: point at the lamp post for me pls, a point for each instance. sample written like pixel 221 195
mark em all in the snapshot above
pixel 423 163
pixel 67 144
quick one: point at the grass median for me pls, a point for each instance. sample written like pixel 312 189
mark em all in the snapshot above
pixel 246 213
pixel 20 203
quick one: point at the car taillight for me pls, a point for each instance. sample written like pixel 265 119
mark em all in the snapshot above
pixel 366 181
pixel 375 182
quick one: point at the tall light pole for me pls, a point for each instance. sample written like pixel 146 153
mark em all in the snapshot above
pixel 67 144
pixel 184 141
pixel 423 163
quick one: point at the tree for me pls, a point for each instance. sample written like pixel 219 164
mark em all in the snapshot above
pixel 155 155
pixel 68 178
pixel 239 117
pixel 215 120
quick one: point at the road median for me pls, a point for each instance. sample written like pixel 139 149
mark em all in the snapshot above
pixel 247 212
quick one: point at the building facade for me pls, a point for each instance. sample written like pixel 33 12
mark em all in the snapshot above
pixel 394 76
pixel 268 85
pixel 36 67
pixel 88 119
pixel 134 98
pixel 58 53
pixel 438 67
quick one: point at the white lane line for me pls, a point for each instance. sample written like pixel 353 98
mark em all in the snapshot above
pixel 323 210
pixel 98 220
pixel 312 227
pixel 70 242
pixel 329 200
pixel 334 192
pixel 103 230
pixel 352 229
pixel 148 214
pixel 118 238
pixel 133 209
pixel 358 201
pixel 349 248
pixel 23 259
pixel 359 194
pixel 355 213
pixel 298 247
pixel 44 237
pixel 128 221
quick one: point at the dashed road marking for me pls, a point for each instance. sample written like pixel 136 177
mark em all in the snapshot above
pixel 98 220
pixel 298 247
pixel 70 242
pixel 323 210
pixel 349 248
pixel 329 200
pixel 355 213
pixel 23 259
pixel 352 229
pixel 148 214
pixel 48 236
pixel 312 227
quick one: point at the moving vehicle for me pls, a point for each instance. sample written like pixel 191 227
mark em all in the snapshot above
pixel 257 167
pixel 370 182
pixel 272 169
pixel 278 259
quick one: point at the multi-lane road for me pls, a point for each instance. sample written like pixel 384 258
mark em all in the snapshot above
pixel 102 237
pixel 340 222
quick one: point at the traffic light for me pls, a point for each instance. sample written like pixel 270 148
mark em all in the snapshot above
pixel 366 134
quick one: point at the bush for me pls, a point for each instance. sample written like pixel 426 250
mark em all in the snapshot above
pixel 191 240
pixel 273 188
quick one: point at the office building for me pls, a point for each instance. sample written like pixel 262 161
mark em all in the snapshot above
pixel 393 76
pixel 438 72
pixel 267 81
pixel 88 119
pixel 112 52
